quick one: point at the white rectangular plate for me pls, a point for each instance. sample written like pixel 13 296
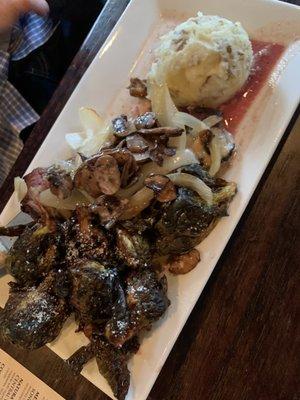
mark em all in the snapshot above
pixel 123 55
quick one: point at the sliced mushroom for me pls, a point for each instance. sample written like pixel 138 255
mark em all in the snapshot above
pixel 121 126
pixel 120 155
pixel 163 187
pixel 126 163
pixel 127 172
pixel 145 121
pixel 142 158
pixel 159 150
pixel 203 112
pixel 161 131
pixel 200 148
pixel 99 175
pixel 137 87
pixel 61 183
pixel 136 143
pixel 183 263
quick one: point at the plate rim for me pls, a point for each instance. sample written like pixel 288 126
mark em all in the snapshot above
pixel 285 123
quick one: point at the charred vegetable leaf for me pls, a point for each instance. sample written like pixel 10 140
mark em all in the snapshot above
pixel 33 255
pixel 86 353
pixel 77 361
pixel 146 302
pixel 185 223
pixel 112 364
pixel 16 230
pixel 33 317
pixel 133 249
pixel 93 292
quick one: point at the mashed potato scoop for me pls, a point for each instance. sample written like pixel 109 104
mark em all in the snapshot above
pixel 205 60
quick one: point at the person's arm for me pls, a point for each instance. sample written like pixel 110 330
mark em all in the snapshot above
pixel 10 11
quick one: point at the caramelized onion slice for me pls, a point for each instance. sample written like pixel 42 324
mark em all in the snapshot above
pixel 96 133
pixel 216 156
pixel 181 158
pixel 20 188
pixel 50 200
pixel 164 107
pixel 194 183
pixel 137 203
pixel 212 120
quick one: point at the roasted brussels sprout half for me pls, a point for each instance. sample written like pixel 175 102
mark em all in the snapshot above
pixel 146 297
pixel 93 293
pixel 188 220
pixel 33 255
pixel 34 316
pixel 146 302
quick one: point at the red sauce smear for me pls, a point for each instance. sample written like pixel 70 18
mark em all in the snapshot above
pixel 266 56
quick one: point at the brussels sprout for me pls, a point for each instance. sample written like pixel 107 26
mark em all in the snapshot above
pixel 133 249
pixel 188 220
pixel 93 292
pixel 33 255
pixel 145 302
pixel 33 316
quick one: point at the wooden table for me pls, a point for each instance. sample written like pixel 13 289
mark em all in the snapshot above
pixel 242 341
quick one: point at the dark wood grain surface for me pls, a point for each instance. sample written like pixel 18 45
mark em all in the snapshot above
pixel 242 340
